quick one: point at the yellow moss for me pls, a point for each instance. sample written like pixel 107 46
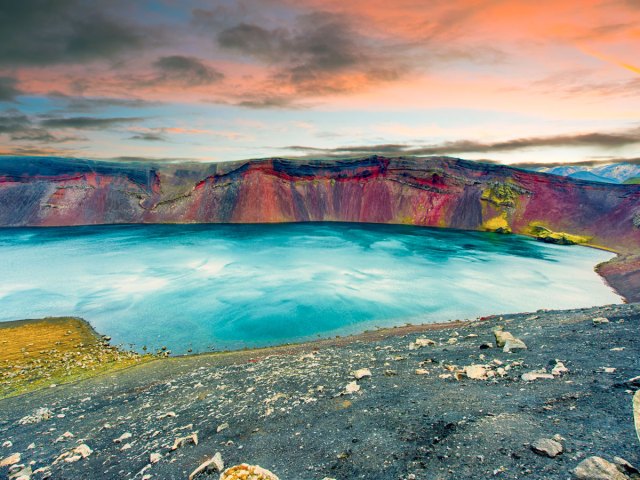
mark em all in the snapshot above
pixel 407 220
pixel 502 194
pixel 561 238
pixel 498 224
pixel 37 353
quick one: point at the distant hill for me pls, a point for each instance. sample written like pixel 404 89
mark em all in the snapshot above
pixel 611 173
pixel 591 177
pixel 632 181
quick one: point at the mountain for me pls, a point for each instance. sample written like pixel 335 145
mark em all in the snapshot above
pixel 612 173
pixel 590 177
pixel 433 191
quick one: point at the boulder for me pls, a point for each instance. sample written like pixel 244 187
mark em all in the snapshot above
pixel 361 373
pixel 476 372
pixel 214 464
pixel 548 447
pixel 597 468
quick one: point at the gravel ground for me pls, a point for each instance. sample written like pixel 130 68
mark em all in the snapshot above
pixel 299 411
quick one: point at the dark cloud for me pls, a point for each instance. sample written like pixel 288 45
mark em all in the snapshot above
pixel 149 137
pixel 319 54
pixel 88 104
pixel 183 70
pixel 8 89
pixel 603 140
pixel 20 127
pixel 87 123
pixel 45 32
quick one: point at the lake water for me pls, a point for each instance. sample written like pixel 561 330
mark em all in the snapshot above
pixel 231 286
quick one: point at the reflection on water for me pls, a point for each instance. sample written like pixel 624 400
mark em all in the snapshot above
pixel 231 286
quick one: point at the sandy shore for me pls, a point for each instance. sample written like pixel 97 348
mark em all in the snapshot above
pixel 299 411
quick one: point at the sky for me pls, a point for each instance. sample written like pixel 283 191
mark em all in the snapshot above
pixel 550 81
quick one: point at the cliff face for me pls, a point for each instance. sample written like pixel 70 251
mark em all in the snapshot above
pixel 441 192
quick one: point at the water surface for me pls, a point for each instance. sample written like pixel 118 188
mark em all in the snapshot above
pixel 234 286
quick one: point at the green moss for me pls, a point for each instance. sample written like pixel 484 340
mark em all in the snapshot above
pixel 561 238
pixel 632 181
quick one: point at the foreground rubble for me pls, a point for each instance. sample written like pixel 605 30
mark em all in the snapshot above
pixel 410 403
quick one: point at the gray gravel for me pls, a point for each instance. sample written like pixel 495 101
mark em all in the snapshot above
pixel 286 408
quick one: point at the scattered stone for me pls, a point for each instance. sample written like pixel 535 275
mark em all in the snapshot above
pixel 247 472
pixel 507 341
pixel 351 387
pixel 154 457
pixel 548 447
pixel 214 464
pixel 600 320
pixel 222 427
pixel 421 342
pixel 182 441
pixel 476 372
pixel 38 416
pixel 75 454
pixel 361 373
pixel 452 341
pixel 7 444
pixel 122 437
pixel 608 370
pixel 63 437
pixel 486 346
pixel 10 460
pixel 21 473
pixel 559 369
pixel 597 468
pixel 536 375
pixel 390 373
pixel 513 345
pixel 167 415
pixel 421 371
pixel 633 382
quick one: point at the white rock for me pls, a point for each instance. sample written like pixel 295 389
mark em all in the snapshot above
pixel 154 457
pixel 422 371
pixel 361 373
pixel 351 387
pixel 122 437
pixel 597 468
pixel 421 342
pixel 559 369
pixel 182 441
pixel 600 320
pixel 536 375
pixel 476 372
pixel 222 427
pixel 214 464
pixel 548 447
pixel 10 460
pixel 38 416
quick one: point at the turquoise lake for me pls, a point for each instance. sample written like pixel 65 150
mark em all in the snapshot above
pixel 205 287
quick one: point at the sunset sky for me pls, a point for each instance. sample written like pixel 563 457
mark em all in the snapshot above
pixel 512 81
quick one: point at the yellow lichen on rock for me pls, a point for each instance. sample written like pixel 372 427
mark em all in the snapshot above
pixel 498 224
pixel 561 238
pixel 247 472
